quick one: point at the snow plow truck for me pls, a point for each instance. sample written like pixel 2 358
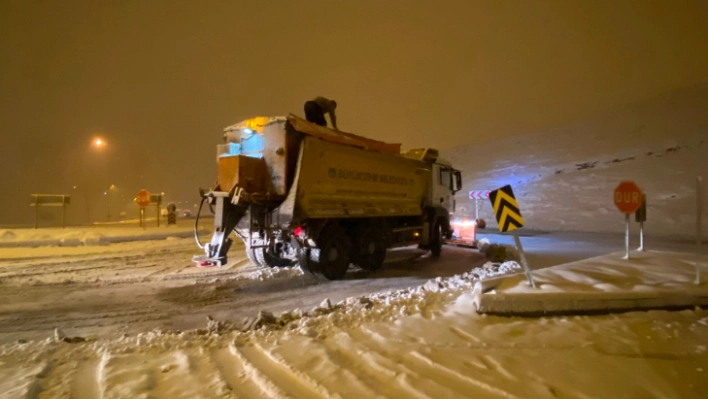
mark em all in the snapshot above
pixel 297 192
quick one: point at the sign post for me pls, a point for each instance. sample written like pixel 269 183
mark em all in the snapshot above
pixel 50 200
pixel 641 216
pixel 699 233
pixel 143 200
pixel 509 218
pixel 628 198
pixel 478 195
pixel 157 200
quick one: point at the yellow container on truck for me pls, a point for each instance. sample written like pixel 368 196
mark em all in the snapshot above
pixel 347 182
pixel 296 192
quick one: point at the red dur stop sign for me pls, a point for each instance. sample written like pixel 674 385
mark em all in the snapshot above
pixel 628 197
pixel 143 198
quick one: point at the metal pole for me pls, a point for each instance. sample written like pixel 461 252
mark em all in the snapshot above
pixel 699 233
pixel 36 212
pixel 626 236
pixel 88 204
pixel 641 237
pixel 86 189
pixel 142 218
pixel 523 259
pixel 157 206
pixel 63 213
pixel 476 209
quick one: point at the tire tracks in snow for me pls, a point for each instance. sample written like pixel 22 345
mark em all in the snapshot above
pixel 89 267
pixel 232 370
pixel 416 362
pixel 273 371
pixel 350 354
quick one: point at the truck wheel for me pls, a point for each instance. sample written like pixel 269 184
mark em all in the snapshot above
pixel 305 261
pixel 436 239
pixel 251 253
pixel 371 249
pixel 331 257
pixel 267 258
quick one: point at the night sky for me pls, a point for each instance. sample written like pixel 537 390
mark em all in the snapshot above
pixel 159 80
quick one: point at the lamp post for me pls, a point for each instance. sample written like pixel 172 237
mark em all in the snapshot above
pixel 107 194
pixel 96 145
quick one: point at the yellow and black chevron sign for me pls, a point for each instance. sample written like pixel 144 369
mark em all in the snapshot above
pixel 506 209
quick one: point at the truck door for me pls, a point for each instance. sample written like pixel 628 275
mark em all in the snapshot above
pixel 442 186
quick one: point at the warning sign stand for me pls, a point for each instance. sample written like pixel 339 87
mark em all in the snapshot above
pixel 641 216
pixel 628 198
pixel 509 218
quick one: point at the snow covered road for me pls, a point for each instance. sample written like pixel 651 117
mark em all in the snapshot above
pixel 134 287
pixel 131 300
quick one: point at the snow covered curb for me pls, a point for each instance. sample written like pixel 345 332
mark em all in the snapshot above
pixel 606 284
pixel 549 304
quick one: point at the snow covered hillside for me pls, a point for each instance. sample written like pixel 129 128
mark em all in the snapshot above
pixel 564 177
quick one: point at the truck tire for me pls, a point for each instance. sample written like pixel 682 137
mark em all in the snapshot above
pixel 331 257
pixel 304 259
pixel 370 251
pixel 436 238
pixel 251 253
pixel 266 257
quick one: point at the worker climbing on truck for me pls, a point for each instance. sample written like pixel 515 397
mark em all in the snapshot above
pixel 316 109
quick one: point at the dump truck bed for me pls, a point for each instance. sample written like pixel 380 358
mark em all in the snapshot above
pixel 336 180
pixel 260 153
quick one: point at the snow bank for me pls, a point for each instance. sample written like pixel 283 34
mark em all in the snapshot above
pixel 354 311
pixel 275 272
